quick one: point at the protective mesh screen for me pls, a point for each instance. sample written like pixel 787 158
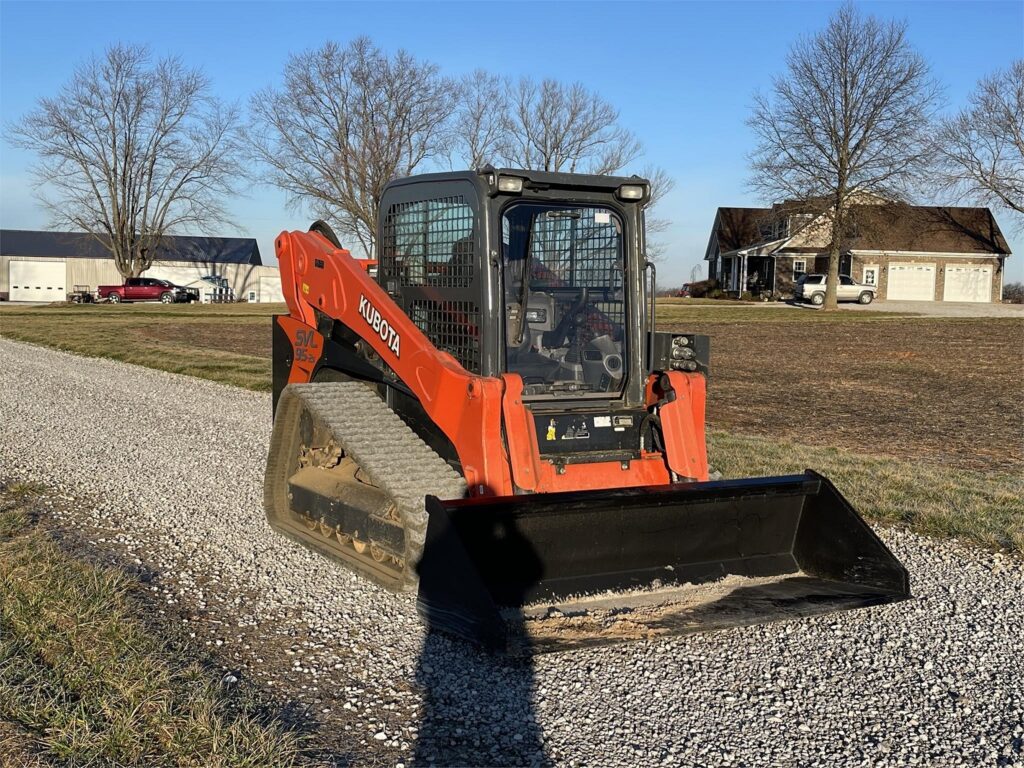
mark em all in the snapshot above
pixel 453 326
pixel 428 242
pixel 581 249
pixel 577 248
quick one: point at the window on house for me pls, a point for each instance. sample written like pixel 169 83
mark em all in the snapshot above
pixel 252 296
pixel 799 267
pixel 798 220
pixel 870 275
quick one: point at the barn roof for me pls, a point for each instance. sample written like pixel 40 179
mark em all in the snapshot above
pixel 79 245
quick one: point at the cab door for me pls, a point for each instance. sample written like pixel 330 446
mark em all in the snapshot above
pixel 431 262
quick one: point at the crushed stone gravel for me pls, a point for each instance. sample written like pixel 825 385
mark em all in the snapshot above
pixel 175 466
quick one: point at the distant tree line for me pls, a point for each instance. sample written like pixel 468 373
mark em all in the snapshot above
pixel 131 149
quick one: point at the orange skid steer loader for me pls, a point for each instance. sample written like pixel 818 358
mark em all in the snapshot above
pixel 486 413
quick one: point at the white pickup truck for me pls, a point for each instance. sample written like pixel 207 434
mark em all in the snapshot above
pixel 812 288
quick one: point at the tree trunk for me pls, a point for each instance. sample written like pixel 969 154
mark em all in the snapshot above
pixel 832 281
pixel 831 286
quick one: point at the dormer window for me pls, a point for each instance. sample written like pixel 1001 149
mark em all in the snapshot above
pixel 799 220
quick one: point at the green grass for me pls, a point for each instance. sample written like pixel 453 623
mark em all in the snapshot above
pixel 171 338
pixel 691 302
pixel 87 679
pixel 152 335
pixel 983 507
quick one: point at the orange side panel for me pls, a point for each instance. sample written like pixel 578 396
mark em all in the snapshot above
pixel 682 424
pixel 307 348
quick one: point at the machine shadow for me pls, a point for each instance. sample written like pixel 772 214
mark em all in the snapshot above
pixel 478 703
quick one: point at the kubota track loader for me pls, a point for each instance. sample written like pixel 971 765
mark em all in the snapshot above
pixel 487 412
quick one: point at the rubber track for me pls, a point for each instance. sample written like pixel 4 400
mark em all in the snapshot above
pixel 393 456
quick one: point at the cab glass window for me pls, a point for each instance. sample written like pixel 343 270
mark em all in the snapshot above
pixel 564 299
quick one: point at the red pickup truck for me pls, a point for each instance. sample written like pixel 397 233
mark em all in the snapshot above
pixel 146 289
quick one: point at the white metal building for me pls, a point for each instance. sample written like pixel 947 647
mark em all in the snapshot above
pixel 46 266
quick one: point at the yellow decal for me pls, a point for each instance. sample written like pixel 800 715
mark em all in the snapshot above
pixel 305 288
pixel 551 431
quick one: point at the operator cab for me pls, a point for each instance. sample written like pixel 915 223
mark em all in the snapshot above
pixel 534 273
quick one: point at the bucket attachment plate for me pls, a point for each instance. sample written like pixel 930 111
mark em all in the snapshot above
pixel 550 572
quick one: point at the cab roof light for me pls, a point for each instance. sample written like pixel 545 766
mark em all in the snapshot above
pixel 513 184
pixel 631 192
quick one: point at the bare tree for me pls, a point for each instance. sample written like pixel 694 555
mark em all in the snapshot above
pixel 850 117
pixel 661 185
pixel 346 122
pixel 981 149
pixel 551 126
pixel 130 151
pixel 479 128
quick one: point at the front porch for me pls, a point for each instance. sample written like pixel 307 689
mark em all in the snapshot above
pixel 744 272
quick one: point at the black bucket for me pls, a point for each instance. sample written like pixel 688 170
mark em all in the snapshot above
pixel 550 572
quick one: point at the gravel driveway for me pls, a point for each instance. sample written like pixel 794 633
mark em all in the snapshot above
pixel 176 466
pixel 941 308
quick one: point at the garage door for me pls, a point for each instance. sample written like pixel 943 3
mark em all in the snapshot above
pixel 911 282
pixel 968 282
pixel 270 289
pixel 38 281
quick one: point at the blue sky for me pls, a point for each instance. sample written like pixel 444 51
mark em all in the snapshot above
pixel 682 73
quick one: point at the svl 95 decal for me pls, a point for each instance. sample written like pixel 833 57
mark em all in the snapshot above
pixel 306 346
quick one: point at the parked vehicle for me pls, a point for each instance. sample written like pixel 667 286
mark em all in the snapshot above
pixel 684 292
pixel 81 294
pixel 812 288
pixel 146 289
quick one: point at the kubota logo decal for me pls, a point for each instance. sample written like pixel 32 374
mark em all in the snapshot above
pixel 380 326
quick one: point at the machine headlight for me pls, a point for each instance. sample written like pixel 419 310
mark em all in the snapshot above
pixel 631 192
pixel 684 365
pixel 512 184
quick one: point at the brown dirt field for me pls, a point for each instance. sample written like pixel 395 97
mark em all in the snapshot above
pixel 949 391
pixel 242 338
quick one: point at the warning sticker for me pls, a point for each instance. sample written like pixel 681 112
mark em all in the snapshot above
pixel 602 421
pixel 602 217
